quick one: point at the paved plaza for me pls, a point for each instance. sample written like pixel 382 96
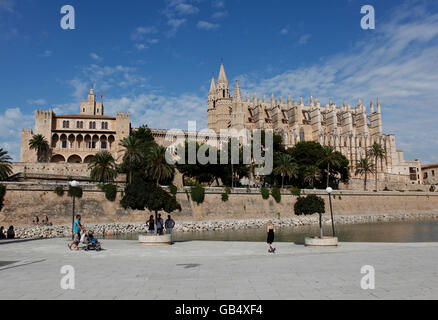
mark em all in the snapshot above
pixel 218 270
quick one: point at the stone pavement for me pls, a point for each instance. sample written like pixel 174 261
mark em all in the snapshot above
pixel 218 270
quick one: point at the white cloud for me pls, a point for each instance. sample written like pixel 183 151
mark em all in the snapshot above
pixel 160 111
pixel 46 53
pixel 185 9
pixel 304 39
pixel 219 15
pixel 95 56
pixel 12 121
pixel 176 11
pixel 140 33
pixel 204 25
pixel 284 31
pixel 218 3
pixel 39 102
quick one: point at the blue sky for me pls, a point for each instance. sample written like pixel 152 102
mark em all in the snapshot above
pixel 155 59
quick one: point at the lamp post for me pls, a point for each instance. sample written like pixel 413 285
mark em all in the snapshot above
pixel 329 192
pixel 73 184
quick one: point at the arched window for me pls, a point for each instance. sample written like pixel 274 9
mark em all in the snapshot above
pixel 103 145
pixel 302 136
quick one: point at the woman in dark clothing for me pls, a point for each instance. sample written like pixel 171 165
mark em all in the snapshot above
pixel 151 224
pixel 270 240
pixel 11 233
pixel 2 233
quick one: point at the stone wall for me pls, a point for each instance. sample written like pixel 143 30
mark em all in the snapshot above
pixel 23 201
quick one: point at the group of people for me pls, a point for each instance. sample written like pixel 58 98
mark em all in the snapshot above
pixel 45 222
pixel 10 234
pixel 169 224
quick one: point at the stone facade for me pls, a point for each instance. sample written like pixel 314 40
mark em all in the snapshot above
pixel 25 200
pixel 349 130
pixel 77 138
pixel 430 174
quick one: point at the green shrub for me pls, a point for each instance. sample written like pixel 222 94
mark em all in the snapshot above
pixel 265 193
pixel 309 205
pixel 432 189
pixel 227 190
pixel 75 191
pixel 295 191
pixel 198 194
pixel 173 189
pixel 276 194
pixel 59 191
pixel 110 191
pixel 2 195
pixel 190 182
pixel 224 197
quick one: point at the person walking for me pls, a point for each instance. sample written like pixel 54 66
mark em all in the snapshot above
pixel 77 228
pixel 169 224
pixel 270 240
pixel 151 225
pixel 160 225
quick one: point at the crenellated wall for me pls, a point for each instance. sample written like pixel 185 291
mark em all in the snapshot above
pixel 23 201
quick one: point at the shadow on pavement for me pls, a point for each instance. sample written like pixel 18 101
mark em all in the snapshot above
pixel 10 241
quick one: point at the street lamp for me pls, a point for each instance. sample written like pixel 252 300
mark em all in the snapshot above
pixel 73 184
pixel 329 191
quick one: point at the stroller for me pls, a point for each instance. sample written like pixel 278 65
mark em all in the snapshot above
pixel 92 243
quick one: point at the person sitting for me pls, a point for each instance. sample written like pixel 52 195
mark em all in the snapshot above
pixel 46 220
pixel 11 233
pixel 2 233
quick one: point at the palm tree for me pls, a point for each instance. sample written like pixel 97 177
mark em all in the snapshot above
pixel 312 174
pixel 285 166
pixel 376 152
pixel 5 165
pixel 329 158
pixel 157 166
pixel 363 168
pixel 40 144
pixel 133 154
pixel 103 167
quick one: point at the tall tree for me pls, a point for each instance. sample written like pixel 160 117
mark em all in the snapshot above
pixel 103 167
pixel 133 154
pixel 5 165
pixel 39 143
pixel 376 152
pixel 364 167
pixel 285 167
pixel 157 166
pixel 311 175
pixel 329 160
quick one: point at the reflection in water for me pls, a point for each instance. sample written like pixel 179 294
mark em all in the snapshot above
pixel 372 232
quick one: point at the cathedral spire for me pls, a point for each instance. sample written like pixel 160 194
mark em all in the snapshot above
pixel 237 95
pixel 212 86
pixel 371 107
pixel 222 75
pixel 289 99
pixel 379 107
